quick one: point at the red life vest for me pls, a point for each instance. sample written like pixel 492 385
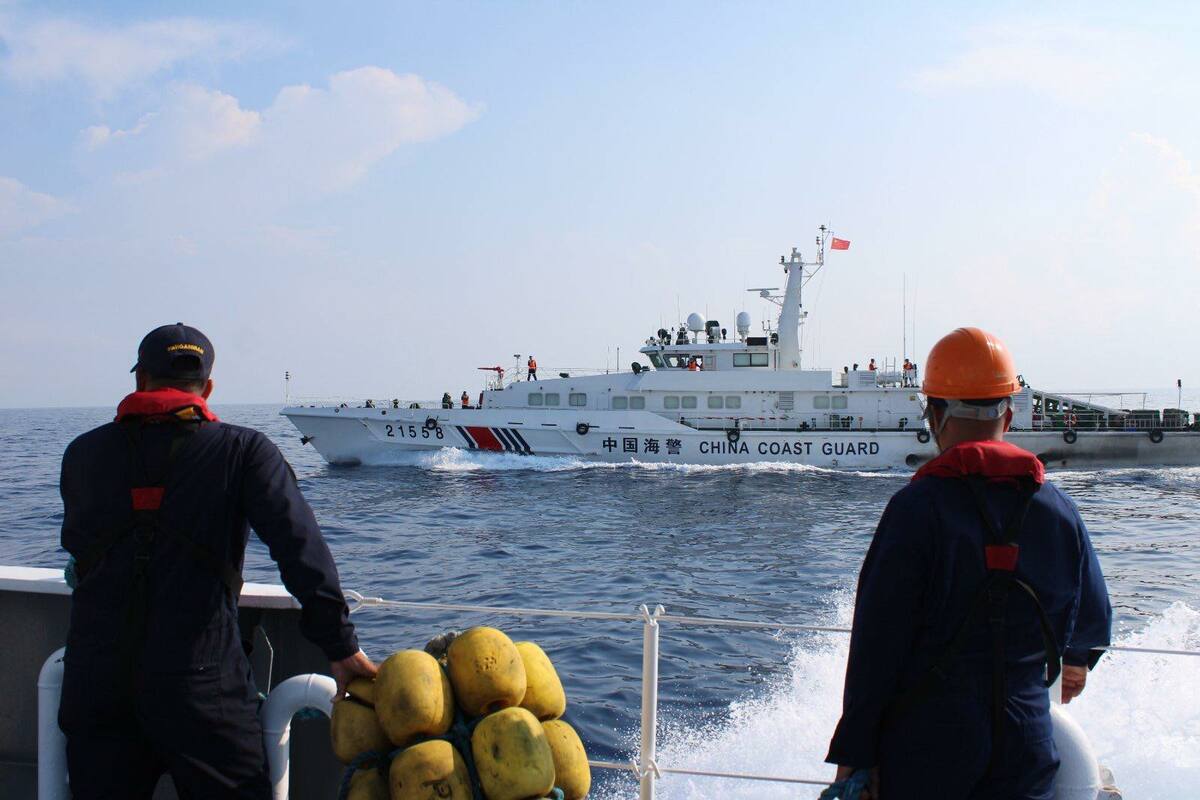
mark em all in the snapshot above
pixel 165 402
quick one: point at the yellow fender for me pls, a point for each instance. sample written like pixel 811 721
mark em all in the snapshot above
pixel 413 697
pixel 544 695
pixel 431 770
pixel 486 671
pixel 571 771
pixel 512 756
pixel 353 726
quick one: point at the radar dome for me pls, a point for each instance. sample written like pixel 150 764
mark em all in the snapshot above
pixel 695 323
pixel 743 323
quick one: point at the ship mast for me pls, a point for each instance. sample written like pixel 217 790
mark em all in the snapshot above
pixel 791 312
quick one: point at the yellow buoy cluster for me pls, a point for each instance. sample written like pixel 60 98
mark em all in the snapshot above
pixel 510 698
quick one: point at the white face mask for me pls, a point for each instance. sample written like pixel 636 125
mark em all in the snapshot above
pixel 962 410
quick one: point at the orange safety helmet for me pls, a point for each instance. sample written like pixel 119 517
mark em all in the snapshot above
pixel 970 364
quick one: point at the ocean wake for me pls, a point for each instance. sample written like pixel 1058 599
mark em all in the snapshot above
pixel 1141 712
pixel 456 460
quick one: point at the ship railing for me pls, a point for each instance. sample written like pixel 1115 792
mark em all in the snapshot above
pixel 646 767
pixel 547 373
pixel 797 424
pixel 345 401
pixel 1126 421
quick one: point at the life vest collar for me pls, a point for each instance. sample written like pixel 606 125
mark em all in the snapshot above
pixel 989 459
pixel 165 402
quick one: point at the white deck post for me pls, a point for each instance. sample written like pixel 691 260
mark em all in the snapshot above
pixel 646 764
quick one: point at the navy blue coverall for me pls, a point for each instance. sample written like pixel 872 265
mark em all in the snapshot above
pixel 185 701
pixel 920 579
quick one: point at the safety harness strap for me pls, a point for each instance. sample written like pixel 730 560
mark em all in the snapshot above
pixel 1001 554
pixel 1001 558
pixel 146 501
pixel 146 498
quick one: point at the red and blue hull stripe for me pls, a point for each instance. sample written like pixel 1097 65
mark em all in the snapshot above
pixel 507 440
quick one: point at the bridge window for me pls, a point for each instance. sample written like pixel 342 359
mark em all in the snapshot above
pixel 821 401
pixel 637 403
pixel 741 359
pixel 838 401
pixel 733 401
pixel 620 403
pixel 688 401
pixel 656 360
pixel 716 401
pixel 670 402
pixel 552 399
pixel 760 359
pixel 535 398
pixel 577 399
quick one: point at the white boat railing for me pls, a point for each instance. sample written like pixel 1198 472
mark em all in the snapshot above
pixel 646 766
pixel 1100 421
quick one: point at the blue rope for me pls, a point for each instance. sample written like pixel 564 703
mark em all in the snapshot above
pixel 381 761
pixel 459 736
pixel 309 713
pixel 847 788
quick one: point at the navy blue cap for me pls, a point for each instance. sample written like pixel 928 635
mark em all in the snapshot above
pixel 175 352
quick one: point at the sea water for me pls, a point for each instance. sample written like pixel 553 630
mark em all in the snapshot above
pixel 756 542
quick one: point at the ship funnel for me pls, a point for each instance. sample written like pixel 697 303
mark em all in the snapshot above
pixel 743 324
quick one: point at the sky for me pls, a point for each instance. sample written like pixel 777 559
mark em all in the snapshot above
pixel 381 198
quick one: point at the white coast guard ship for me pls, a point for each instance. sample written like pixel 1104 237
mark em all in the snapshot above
pixel 705 400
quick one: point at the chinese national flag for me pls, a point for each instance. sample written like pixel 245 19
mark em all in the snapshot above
pixel 839 244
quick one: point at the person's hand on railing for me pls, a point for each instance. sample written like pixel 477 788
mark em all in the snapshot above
pixel 1073 681
pixel 844 774
pixel 346 670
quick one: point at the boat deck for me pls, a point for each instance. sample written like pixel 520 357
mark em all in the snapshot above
pixel 34 613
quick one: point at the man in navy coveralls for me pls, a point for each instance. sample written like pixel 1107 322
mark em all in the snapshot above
pixel 157 509
pixel 980 575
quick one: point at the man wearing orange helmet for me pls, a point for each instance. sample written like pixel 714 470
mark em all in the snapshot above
pixel 980 578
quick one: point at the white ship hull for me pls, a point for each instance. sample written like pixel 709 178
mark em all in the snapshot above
pixel 374 436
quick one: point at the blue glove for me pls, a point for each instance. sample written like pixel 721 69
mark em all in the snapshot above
pixel 847 788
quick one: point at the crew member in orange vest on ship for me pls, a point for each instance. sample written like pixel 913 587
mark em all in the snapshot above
pixel 465 399
pixel 531 365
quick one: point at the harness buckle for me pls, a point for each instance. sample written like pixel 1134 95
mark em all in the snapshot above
pixel 1001 557
pixel 147 498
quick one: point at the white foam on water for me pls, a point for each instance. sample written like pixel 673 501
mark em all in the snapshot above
pixel 451 459
pixel 1141 713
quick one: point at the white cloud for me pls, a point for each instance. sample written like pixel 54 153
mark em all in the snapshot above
pixel 1066 62
pixel 193 123
pixel 21 207
pixel 309 140
pixel 109 58
pixel 1180 169
pixel 336 134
